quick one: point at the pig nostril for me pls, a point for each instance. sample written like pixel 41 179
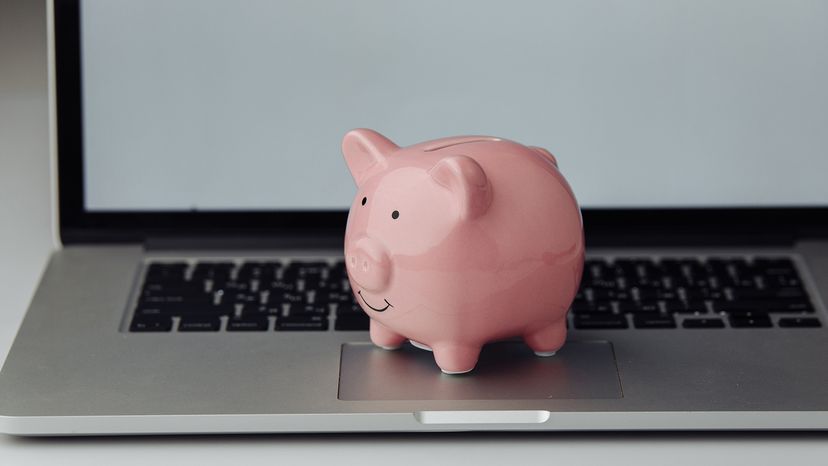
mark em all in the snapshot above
pixel 365 266
pixel 353 260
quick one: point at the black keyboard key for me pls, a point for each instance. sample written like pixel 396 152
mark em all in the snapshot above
pixel 809 322
pixel 199 324
pixel 242 298
pixel 248 324
pixel 703 323
pixel 308 264
pixel 718 266
pixel 692 282
pixel 166 271
pixel 667 294
pixel 781 266
pixel 279 286
pixel 671 267
pixel 302 322
pixel 597 268
pixel 793 305
pixel 312 271
pixel 338 297
pixel 218 271
pixel 740 284
pixel 350 308
pixel 771 305
pixel 152 311
pixel 650 294
pixel 685 307
pixel 151 324
pixel 654 321
pixel 757 320
pixel 781 281
pixel 216 310
pixel 749 314
pixel 320 285
pixel 595 262
pixel 296 309
pixel 601 283
pixel 636 307
pixel 233 287
pixel 741 268
pixel 626 266
pixel 207 266
pixel 698 294
pixel 601 294
pixel 175 299
pixel 263 309
pixel 693 269
pixel 352 321
pixel 600 321
pixel 676 305
pixel 591 307
pixel 649 283
pixel 158 288
pixel 256 271
pixel 184 308
pixel 775 293
pixel 288 297
pixel 305 268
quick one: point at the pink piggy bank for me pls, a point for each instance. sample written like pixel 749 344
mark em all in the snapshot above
pixel 460 241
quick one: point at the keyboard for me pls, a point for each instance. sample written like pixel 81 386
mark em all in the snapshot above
pixel 624 293
pixel 246 297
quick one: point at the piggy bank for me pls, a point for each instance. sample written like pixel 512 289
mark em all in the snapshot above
pixel 460 241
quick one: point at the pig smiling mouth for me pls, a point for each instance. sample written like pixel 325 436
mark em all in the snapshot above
pixel 387 304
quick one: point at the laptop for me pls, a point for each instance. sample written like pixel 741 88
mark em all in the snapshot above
pixel 199 285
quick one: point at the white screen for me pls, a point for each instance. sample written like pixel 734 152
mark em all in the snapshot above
pixel 207 104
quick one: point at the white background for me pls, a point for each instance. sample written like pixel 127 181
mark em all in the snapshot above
pixel 222 104
pixel 25 243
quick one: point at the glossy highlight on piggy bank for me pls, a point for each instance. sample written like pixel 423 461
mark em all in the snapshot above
pixel 457 242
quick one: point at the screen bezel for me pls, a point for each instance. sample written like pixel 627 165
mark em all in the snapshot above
pixel 603 226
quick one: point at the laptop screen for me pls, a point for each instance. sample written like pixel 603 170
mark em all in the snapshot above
pixel 222 105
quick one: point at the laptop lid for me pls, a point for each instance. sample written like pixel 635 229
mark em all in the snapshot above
pixel 672 121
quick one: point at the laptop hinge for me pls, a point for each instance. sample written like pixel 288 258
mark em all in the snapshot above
pixel 280 242
pixel 689 239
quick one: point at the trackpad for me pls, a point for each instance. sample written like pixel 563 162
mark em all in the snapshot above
pixel 506 370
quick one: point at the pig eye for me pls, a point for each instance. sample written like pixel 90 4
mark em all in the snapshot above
pixel 395 214
pixel 364 200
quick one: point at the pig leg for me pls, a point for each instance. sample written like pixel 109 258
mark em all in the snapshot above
pixel 383 337
pixel 454 359
pixel 546 341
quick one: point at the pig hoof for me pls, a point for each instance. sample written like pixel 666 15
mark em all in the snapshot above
pixel 455 359
pixel 417 344
pixel 545 354
pixel 389 348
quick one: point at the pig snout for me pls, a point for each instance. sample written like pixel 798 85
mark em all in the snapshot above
pixel 369 264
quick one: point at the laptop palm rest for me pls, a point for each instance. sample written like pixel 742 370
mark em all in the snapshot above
pixel 506 370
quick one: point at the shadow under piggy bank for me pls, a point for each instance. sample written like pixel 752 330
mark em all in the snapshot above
pixel 506 370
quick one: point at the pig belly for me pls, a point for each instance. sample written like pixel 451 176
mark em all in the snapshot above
pixel 486 320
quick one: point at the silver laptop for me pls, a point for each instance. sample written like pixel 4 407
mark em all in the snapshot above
pixel 199 287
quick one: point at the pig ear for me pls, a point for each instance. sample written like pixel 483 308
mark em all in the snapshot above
pixel 365 151
pixel 546 154
pixel 466 179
